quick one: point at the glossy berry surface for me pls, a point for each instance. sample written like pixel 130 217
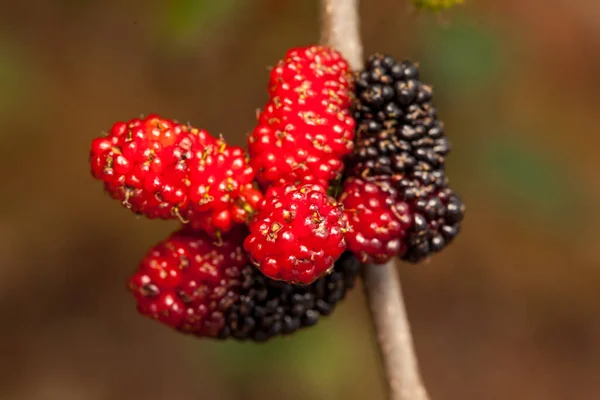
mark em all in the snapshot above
pixel 298 233
pixel 436 222
pixel 269 308
pixel 160 168
pixel 208 288
pixel 144 163
pixel 401 145
pixel 189 281
pixel 306 128
pixel 398 130
pixel 221 188
pixel 379 220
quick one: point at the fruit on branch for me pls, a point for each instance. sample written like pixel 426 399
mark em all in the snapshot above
pixel 401 148
pixel 206 288
pixel 306 128
pixel 160 168
pixel 301 249
pixel 298 233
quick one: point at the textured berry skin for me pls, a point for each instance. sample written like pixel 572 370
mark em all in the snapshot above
pixel 189 281
pixel 221 191
pixel 162 169
pixel 317 66
pixel 306 128
pixel 436 222
pixel 379 220
pixel 144 163
pixel 222 219
pixel 269 308
pixel 298 233
pixel 398 129
pixel 300 146
pixel 198 286
pixel 401 148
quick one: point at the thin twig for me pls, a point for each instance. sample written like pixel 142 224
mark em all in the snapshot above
pixel 388 313
pixel 340 29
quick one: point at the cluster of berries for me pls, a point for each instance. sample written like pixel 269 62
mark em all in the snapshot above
pixel 266 246
pixel 396 193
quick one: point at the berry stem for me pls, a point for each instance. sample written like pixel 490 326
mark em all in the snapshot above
pixel 340 29
pixel 388 314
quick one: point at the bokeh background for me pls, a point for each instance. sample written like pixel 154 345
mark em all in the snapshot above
pixel 510 311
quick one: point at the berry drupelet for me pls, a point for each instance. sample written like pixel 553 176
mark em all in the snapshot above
pixel 221 191
pixel 297 234
pixel 209 289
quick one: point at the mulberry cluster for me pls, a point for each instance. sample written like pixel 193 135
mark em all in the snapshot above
pixel 206 288
pixel 264 248
pixel 400 149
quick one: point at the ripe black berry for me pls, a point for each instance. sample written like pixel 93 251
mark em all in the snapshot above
pixel 401 140
pixel 436 222
pixel 397 125
pixel 270 308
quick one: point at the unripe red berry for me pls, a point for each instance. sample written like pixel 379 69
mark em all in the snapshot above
pixel 298 233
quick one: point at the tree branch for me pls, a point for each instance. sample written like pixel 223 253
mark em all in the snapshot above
pixel 340 29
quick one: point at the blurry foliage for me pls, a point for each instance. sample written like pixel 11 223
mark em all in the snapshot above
pixel 295 356
pixel 464 59
pixel 436 5
pixel 185 20
pixel 523 171
pixel 463 56
pixel 15 78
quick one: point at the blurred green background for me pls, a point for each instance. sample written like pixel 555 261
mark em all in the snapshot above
pixel 510 311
